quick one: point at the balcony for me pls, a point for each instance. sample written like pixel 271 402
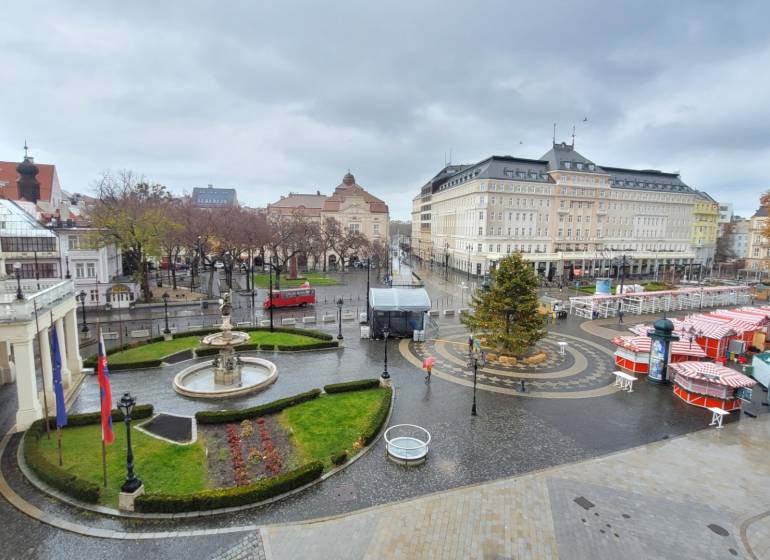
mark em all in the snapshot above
pixel 52 291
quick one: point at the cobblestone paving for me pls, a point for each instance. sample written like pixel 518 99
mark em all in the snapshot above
pixel 668 500
pixel 250 548
pixel 583 367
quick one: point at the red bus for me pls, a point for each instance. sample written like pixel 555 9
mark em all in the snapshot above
pixel 294 297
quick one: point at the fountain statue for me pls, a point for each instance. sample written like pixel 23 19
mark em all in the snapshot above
pixel 227 367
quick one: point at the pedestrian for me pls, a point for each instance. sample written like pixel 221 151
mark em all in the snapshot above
pixel 620 316
pixel 429 370
pixel 470 345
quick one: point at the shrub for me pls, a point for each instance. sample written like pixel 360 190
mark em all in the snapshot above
pixel 206 351
pixel 378 419
pixel 52 474
pixel 135 365
pixel 93 360
pixel 141 411
pixel 313 346
pixel 359 385
pixel 339 457
pixel 223 416
pixel 268 347
pixel 231 497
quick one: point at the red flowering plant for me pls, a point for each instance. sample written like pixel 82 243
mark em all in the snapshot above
pixel 271 455
pixel 240 474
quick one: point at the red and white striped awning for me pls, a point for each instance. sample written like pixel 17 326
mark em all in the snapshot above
pixel 757 318
pixel 712 373
pixel 644 344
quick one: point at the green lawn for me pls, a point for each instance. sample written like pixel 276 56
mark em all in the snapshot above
pixel 163 467
pixel 154 351
pixel 284 339
pixel 315 279
pixel 331 423
pixel 158 350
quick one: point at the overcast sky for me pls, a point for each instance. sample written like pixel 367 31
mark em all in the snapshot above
pixel 271 97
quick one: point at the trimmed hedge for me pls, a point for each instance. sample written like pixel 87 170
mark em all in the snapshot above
pixel 206 351
pixel 267 347
pixel 93 360
pixel 135 365
pixel 54 475
pixel 313 346
pixel 339 457
pixel 223 416
pixel 378 419
pixel 231 497
pixel 359 385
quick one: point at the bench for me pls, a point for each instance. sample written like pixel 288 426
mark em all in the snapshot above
pixel 348 316
pixel 329 318
pixel 288 321
pixel 264 323
pixel 624 381
pixel 139 333
pixel 434 313
pixel 110 335
pixel 717 416
pixel 194 327
pixel 449 312
pixel 308 320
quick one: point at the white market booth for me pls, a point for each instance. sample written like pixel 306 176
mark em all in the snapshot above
pixel 401 310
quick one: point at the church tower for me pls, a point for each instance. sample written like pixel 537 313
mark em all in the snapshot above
pixel 29 186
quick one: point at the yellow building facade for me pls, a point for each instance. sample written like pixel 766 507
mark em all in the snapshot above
pixel 705 227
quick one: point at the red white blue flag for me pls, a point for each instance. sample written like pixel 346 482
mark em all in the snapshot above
pixel 105 393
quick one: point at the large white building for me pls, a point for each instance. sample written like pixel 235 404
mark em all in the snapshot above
pixel 566 214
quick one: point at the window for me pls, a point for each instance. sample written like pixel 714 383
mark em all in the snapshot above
pixel 376 228
pixel 481 231
pixel 481 215
pixel 479 248
pixel 94 294
pixel 91 270
pixel 354 228
pixel 80 270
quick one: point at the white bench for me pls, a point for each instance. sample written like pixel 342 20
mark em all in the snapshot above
pixel 308 320
pixel 449 312
pixel 194 327
pixel 717 416
pixel 139 333
pixel 243 324
pixel 288 321
pixel 348 316
pixel 624 381
pixel 329 318
pixel 434 313
pixel 110 335
pixel 264 323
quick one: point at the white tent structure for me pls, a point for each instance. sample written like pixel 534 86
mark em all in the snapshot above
pixel 402 310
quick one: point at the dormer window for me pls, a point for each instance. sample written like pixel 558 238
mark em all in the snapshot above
pixel 591 166
pixel 567 165
pixel 579 165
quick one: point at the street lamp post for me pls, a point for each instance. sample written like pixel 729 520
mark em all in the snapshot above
pixel 82 298
pixel 126 406
pixel 476 359
pixel 270 288
pixel 340 302
pixel 386 333
pixel 17 270
pixel 368 266
pixel 67 260
pixel 165 312
pixel 469 262
pixel 446 261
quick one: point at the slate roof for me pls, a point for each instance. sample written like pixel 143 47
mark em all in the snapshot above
pixel 761 212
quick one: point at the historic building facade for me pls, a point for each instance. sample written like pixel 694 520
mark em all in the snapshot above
pixel 563 212
pixel 758 251
pixel 350 204
pixel 705 228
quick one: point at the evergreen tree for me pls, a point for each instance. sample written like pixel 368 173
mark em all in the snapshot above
pixel 506 314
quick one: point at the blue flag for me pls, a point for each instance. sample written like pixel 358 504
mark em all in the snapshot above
pixel 58 389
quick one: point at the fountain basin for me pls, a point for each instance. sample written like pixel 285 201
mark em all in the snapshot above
pixel 197 381
pixel 225 338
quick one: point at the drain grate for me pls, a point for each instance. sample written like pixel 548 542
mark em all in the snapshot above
pixel 345 493
pixel 583 502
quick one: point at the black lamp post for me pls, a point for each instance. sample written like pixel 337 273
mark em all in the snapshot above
pixel 126 406
pixel 67 260
pixel 270 288
pixel 17 270
pixel 339 314
pixel 476 359
pixel 469 262
pixel 446 261
pixel 368 266
pixel 165 312
pixel 386 333
pixel 82 298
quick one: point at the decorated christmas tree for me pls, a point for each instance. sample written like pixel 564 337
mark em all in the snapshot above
pixel 506 309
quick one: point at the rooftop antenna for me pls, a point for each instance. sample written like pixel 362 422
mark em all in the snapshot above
pixel 25 148
pixel 554 134
pixel 450 156
pixel 573 135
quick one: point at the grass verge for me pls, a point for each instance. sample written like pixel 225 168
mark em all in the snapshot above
pixel 315 279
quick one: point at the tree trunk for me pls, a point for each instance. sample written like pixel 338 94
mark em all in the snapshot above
pixel 277 283
pixel 145 279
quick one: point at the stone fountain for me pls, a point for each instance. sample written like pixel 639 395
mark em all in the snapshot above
pixel 228 374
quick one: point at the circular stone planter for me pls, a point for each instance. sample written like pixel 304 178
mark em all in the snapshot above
pixel 407 444
pixel 197 381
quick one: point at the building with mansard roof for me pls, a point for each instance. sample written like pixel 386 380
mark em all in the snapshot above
pixel 563 212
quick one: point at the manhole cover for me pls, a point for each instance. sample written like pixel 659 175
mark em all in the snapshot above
pixel 345 493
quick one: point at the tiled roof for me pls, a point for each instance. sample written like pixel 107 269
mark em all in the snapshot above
pixel 9 176
pixel 349 188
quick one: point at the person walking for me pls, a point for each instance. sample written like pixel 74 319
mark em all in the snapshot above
pixel 620 316
pixel 429 369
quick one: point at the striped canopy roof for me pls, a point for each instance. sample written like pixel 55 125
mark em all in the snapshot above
pixel 644 344
pixel 712 373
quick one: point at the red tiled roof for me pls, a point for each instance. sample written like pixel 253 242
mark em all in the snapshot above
pixel 9 176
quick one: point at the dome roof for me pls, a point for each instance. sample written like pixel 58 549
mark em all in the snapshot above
pixel 664 324
pixel 27 167
pixel 348 179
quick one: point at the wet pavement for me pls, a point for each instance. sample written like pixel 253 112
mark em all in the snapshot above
pixel 511 434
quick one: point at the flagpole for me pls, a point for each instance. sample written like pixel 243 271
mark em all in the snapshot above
pixel 58 428
pixel 45 397
pixel 104 445
pixel 58 437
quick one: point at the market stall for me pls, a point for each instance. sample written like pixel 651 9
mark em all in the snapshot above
pixel 706 385
pixel 401 310
pixel 633 352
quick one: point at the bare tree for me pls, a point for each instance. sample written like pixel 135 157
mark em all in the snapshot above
pixel 288 235
pixel 331 232
pixel 348 244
